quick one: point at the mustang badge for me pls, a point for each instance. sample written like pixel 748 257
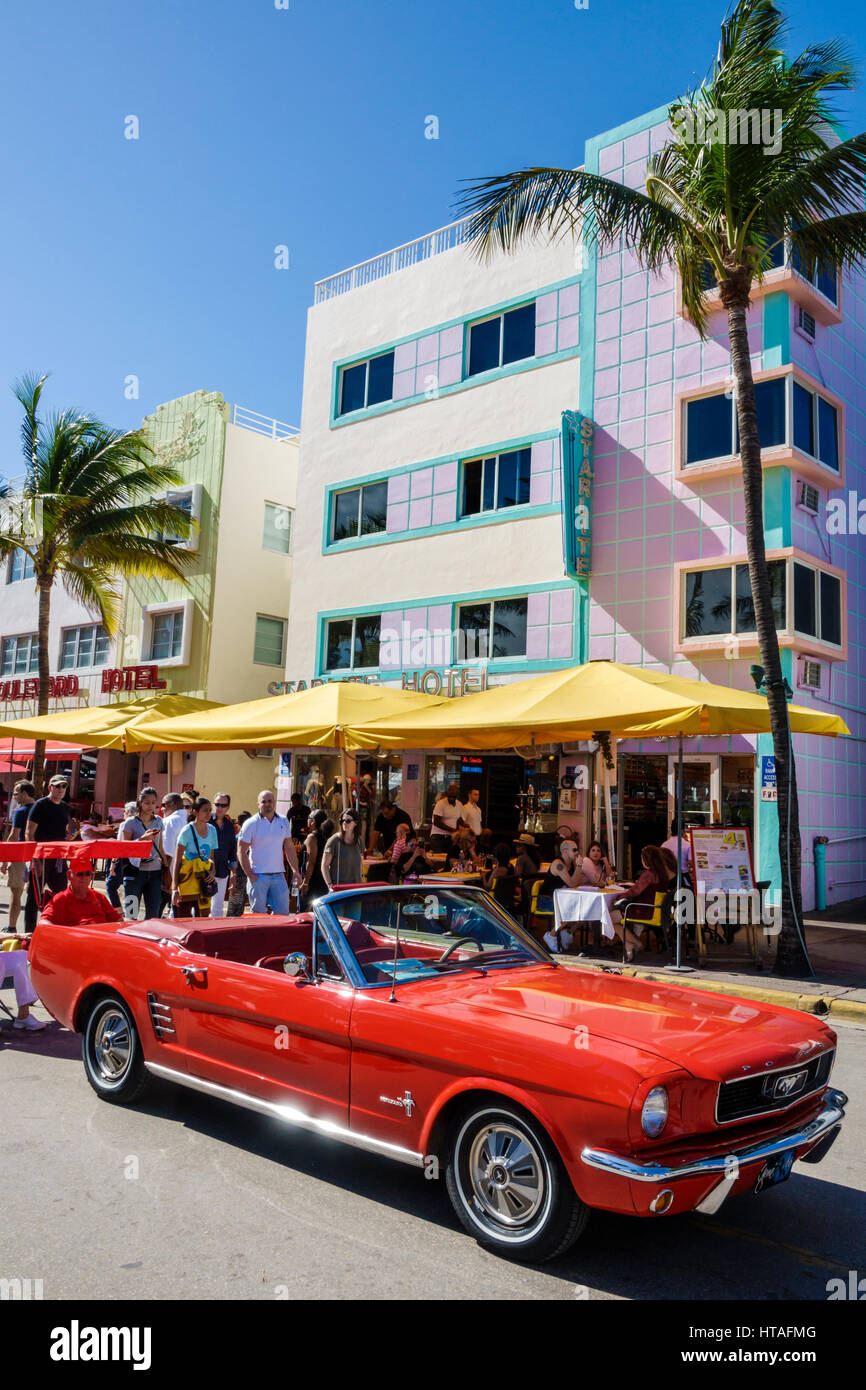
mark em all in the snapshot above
pixel 407 1100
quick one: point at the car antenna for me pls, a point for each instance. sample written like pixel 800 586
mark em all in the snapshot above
pixel 392 998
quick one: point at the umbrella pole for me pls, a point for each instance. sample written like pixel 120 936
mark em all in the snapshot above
pixel 608 811
pixel 683 969
pixel 343 778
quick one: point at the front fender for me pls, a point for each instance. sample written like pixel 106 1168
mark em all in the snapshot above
pixel 558 1115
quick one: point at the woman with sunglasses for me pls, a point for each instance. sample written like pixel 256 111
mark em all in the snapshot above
pixel 192 873
pixel 226 853
pixel 341 861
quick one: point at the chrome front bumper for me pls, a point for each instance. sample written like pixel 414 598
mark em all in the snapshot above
pixel 727 1167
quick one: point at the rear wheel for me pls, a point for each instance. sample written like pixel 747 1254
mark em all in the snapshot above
pixel 509 1186
pixel 111 1051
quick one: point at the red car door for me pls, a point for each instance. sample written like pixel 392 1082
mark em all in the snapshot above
pixel 263 1034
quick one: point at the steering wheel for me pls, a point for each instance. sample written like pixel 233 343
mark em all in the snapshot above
pixel 469 940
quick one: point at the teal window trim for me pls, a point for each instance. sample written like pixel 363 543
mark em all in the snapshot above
pixel 337 421
pixel 522 512
pixel 464 523
pixel 496 665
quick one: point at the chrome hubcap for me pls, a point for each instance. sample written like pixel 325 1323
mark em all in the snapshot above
pixel 507 1175
pixel 112 1045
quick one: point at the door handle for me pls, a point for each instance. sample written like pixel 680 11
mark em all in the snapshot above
pixel 193 972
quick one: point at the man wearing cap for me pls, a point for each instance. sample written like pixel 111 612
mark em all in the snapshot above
pixel 49 818
pixel 78 904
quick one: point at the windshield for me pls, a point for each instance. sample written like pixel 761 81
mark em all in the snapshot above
pixel 440 930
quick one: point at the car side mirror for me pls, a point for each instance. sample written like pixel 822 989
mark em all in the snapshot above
pixel 297 964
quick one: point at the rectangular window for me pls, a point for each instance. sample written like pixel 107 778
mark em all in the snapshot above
pixel 277 530
pixel 269 648
pixel 494 483
pixel 21 566
pixel 492 630
pixel 718 601
pixel 83 646
pixel 19 655
pixel 166 636
pixel 823 277
pixel 352 643
pixel 711 431
pixel 509 337
pixel 367 383
pixel 817 604
pixel 360 511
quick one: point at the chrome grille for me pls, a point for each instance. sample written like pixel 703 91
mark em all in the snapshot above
pixel 770 1091
pixel 160 1017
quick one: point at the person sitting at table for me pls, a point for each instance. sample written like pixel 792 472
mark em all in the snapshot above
pixel 385 826
pixel 401 840
pixel 654 878
pixel 564 872
pixel 595 869
pixel 79 905
pixel 463 847
pixel 528 861
pixel 412 862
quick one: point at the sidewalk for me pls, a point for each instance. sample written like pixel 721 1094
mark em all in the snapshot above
pixel 836 941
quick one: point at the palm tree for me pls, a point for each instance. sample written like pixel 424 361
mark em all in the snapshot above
pixel 724 207
pixel 85 515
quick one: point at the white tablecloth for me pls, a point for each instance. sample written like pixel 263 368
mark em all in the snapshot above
pixel 586 905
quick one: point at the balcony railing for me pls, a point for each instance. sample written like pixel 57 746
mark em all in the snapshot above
pixel 262 424
pixel 433 244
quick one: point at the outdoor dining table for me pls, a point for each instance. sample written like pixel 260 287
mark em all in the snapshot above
pixel 586 905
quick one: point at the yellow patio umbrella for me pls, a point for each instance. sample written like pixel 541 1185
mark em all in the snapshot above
pixel 325 716
pixel 573 704
pixel 106 726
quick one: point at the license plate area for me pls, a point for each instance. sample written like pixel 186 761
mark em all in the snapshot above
pixel 776 1171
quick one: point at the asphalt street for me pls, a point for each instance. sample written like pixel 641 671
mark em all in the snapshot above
pixel 188 1197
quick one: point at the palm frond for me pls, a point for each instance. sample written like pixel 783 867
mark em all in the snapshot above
pixel 506 209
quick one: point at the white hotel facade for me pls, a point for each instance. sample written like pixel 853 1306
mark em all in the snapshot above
pixel 428 529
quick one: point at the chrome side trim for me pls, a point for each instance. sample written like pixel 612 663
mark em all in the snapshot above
pixel 833 1113
pixel 289 1114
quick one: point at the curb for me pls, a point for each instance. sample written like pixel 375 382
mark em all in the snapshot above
pixel 850 1010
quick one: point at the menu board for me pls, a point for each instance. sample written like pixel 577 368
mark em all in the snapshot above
pixel 722 858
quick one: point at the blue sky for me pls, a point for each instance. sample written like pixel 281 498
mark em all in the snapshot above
pixel 301 127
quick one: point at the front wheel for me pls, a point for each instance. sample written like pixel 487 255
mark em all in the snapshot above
pixel 509 1186
pixel 111 1051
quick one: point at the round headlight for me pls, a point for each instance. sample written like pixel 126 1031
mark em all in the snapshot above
pixel 654 1115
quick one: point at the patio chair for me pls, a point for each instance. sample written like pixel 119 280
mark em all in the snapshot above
pixel 658 923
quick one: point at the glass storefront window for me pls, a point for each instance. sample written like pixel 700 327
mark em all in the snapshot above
pixel 317 778
pixel 738 789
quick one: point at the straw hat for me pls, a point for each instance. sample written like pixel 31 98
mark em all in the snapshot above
pixel 525 839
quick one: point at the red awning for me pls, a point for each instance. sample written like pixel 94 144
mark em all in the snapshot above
pixel 23 747
pixel 19 851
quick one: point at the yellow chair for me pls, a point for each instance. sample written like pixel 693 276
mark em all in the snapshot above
pixel 658 922
pixel 537 913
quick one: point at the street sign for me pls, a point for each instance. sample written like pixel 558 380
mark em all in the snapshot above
pixel 768 778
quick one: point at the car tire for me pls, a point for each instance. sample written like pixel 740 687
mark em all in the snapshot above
pixel 111 1052
pixel 533 1219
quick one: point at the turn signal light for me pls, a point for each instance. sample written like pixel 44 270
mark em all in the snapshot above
pixel 662 1202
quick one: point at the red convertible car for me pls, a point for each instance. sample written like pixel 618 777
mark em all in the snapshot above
pixel 423 1024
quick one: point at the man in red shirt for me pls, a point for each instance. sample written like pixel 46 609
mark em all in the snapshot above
pixel 78 904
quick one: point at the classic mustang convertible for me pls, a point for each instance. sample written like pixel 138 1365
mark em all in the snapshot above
pixel 423 1024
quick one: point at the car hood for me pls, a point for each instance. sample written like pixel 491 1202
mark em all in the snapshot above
pixel 710 1035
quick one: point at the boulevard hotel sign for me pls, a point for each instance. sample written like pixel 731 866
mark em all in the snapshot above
pixel 113 680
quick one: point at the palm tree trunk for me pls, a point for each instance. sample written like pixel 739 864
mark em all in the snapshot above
pixel 44 676
pixel 791 957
